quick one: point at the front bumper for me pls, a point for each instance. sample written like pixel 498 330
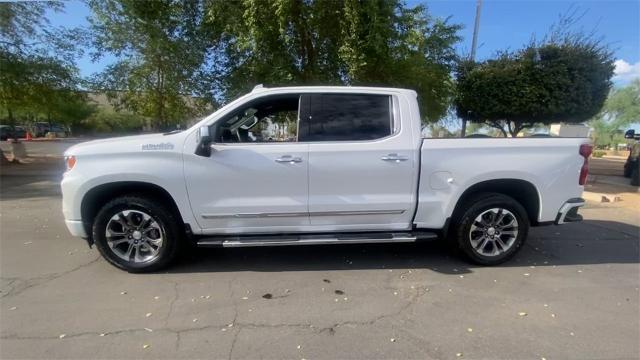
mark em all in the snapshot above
pixel 76 228
pixel 569 211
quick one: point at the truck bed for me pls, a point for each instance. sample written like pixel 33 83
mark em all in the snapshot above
pixel 448 167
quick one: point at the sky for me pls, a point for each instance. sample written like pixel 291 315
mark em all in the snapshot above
pixel 503 25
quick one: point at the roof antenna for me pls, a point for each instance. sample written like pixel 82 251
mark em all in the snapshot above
pixel 257 87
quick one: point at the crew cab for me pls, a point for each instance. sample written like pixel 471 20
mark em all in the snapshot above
pixel 317 165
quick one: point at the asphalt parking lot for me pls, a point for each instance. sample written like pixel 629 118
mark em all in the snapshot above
pixel 571 293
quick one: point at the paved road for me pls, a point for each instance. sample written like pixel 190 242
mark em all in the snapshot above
pixel 578 285
pixel 606 166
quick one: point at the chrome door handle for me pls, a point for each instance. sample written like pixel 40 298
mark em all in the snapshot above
pixel 395 157
pixel 289 159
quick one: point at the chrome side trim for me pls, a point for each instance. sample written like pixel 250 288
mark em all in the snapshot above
pixel 361 212
pixel 294 214
pixel 253 215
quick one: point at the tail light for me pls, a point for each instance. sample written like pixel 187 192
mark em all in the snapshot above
pixel 585 151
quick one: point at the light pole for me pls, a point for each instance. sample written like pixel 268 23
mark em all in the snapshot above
pixel 474 45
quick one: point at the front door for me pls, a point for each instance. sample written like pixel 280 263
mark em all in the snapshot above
pixel 256 177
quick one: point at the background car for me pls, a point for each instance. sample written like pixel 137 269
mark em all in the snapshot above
pixel 6 132
pixel 19 132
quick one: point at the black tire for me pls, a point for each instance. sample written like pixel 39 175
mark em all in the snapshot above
pixel 168 222
pixel 473 208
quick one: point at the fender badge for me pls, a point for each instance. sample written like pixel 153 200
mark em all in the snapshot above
pixel 160 147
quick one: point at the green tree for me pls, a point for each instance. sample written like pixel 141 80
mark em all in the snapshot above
pixel 161 54
pixel 564 78
pixel 38 78
pixel 348 42
pixel 621 109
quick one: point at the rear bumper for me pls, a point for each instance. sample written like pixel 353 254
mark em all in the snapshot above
pixel 569 211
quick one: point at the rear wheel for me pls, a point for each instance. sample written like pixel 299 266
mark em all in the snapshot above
pixel 137 234
pixel 491 229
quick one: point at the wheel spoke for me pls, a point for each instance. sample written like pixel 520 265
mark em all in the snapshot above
pixel 115 243
pixel 113 233
pixel 129 253
pixel 482 244
pixel 503 246
pixel 145 224
pixel 500 216
pixel 123 220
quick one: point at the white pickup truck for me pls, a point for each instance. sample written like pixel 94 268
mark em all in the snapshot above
pixel 316 165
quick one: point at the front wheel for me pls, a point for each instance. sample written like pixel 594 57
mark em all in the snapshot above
pixel 492 228
pixel 137 234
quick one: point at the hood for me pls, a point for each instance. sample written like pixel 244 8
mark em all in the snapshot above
pixel 137 143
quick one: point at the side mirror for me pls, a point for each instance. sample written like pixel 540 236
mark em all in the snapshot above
pixel 629 134
pixel 204 142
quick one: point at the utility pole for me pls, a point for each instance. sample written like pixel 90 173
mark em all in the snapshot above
pixel 474 45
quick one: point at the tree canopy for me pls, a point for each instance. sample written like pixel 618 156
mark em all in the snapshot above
pixel 161 57
pixel 621 109
pixel 563 79
pixel 349 42
pixel 38 77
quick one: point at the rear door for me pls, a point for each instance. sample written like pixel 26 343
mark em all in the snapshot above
pixel 362 164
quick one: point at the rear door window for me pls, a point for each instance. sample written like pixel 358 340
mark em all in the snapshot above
pixel 345 117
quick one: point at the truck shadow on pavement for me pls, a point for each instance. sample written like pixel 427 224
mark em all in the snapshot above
pixel 586 243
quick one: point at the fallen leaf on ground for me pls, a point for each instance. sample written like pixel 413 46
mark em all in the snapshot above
pixel 145 346
pixel 62 336
pixel 522 313
pixel 148 314
pixel 149 330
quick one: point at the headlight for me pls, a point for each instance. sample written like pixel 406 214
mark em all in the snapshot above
pixel 70 161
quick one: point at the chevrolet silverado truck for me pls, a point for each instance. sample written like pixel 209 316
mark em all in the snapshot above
pixel 316 165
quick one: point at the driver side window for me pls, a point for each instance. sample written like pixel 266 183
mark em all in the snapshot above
pixel 270 119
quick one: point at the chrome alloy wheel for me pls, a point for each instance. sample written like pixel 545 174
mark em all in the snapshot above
pixel 493 232
pixel 134 236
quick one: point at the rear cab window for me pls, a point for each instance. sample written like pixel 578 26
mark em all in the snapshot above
pixel 345 117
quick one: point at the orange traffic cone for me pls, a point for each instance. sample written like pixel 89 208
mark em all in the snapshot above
pixel 28 137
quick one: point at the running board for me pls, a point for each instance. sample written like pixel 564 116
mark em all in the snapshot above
pixel 313 239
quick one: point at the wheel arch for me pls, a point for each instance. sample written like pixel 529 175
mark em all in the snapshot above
pixel 94 199
pixel 520 190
